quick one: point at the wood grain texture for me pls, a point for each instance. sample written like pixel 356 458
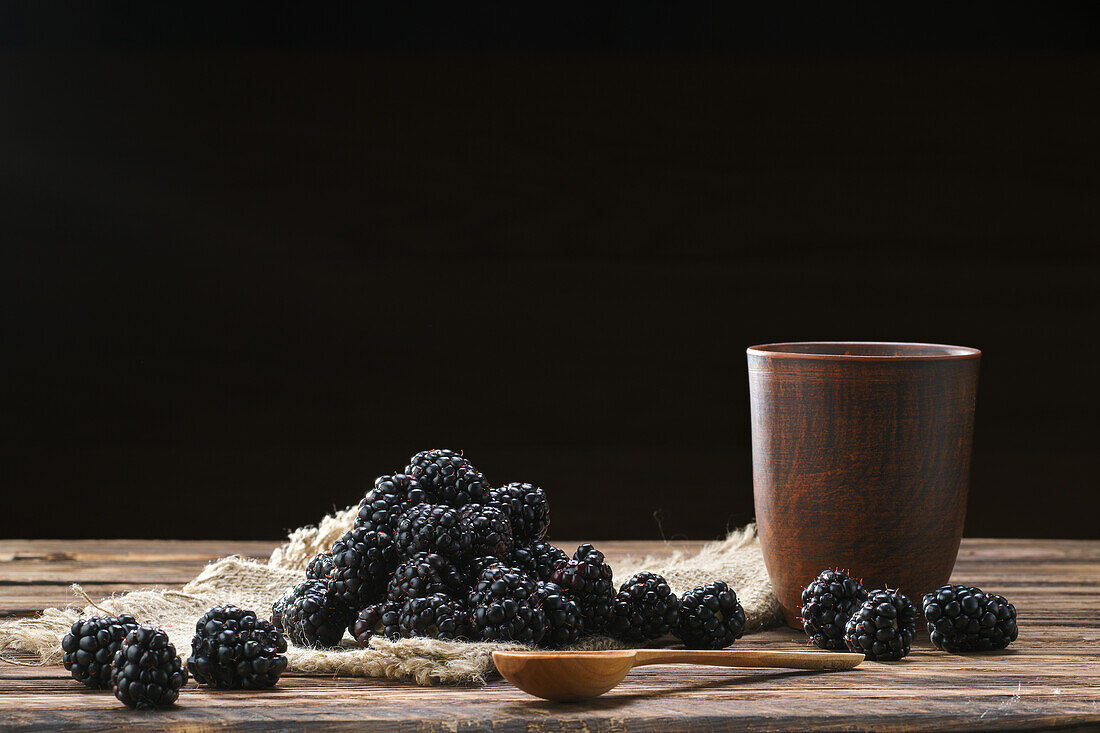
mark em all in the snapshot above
pixel 1049 678
pixel 861 455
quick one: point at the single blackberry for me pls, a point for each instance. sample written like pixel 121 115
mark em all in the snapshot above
pixel 434 528
pixel 827 604
pixel 710 617
pixel 278 608
pixel 146 673
pixel 391 496
pixel 538 559
pixel 503 606
pixel 425 458
pixel 320 566
pixel 450 478
pixel 316 615
pixel 233 649
pixel 437 616
pixel 882 628
pixel 90 647
pixel 425 574
pixel 645 608
pixel 362 561
pixel 381 619
pixel 963 619
pixel 491 530
pixel 526 507
pixel 589 578
pixel 564 624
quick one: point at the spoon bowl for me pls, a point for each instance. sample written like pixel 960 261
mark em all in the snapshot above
pixel 570 676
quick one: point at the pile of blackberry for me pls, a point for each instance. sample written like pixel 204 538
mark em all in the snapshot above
pixel 438 551
pixel 137 663
pixel 839 613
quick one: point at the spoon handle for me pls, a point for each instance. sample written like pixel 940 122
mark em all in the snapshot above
pixel 749 658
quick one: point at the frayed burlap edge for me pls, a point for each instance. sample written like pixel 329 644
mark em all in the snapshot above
pixel 251 584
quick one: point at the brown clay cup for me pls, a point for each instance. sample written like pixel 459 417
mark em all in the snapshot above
pixel 861 461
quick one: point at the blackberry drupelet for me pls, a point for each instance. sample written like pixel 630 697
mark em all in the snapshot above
pixel 589 578
pixel 315 615
pixel 146 673
pixel 538 559
pixel 233 649
pixel 362 561
pixel 381 619
pixel 827 604
pixel 391 496
pixel 503 606
pixel 91 645
pixel 882 628
pixel 710 617
pixel 434 528
pixel 491 530
pixel 320 566
pixel 564 624
pixel 450 478
pixel 645 608
pixel 526 507
pixel 437 616
pixel 964 619
pixel 425 574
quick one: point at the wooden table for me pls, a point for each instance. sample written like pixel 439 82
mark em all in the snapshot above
pixel 1049 678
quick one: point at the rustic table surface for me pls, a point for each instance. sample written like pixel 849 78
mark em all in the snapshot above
pixel 1049 678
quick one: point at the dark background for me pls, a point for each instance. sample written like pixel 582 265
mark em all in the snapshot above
pixel 255 255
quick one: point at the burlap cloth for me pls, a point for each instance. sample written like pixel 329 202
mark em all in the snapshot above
pixel 255 585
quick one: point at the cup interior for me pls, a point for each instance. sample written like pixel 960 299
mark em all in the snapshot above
pixel 863 350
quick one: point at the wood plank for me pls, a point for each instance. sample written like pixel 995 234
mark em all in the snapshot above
pixel 1049 678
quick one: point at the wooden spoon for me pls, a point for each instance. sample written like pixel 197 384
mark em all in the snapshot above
pixel 566 676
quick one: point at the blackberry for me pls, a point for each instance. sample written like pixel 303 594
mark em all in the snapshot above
pixel 491 530
pixel 381 619
pixel 589 578
pixel 437 616
pixel 538 559
pixel 278 608
pixel 503 606
pixel 827 604
pixel 645 608
pixel 963 619
pixel 362 561
pixel 433 528
pixel 233 649
pixel 710 617
pixel 146 673
pixel 391 496
pixel 320 566
pixel 450 478
pixel 425 574
pixel 425 458
pixel 883 627
pixel 564 624
pixel 90 647
pixel 526 507
pixel 315 615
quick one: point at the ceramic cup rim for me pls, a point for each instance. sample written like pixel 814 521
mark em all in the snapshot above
pixel 835 351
